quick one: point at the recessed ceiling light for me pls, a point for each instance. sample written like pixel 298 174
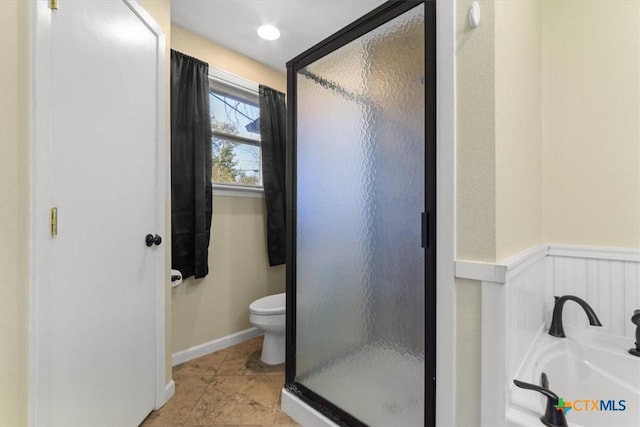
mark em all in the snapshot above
pixel 269 32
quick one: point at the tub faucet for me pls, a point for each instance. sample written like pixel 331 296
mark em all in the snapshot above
pixel 556 329
pixel 554 414
pixel 635 319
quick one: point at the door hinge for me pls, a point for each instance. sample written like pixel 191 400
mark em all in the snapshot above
pixel 53 4
pixel 54 221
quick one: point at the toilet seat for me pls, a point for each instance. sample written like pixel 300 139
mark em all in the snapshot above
pixel 270 305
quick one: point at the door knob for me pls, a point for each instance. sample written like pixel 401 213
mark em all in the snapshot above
pixel 150 239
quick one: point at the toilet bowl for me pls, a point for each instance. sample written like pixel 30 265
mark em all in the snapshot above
pixel 268 315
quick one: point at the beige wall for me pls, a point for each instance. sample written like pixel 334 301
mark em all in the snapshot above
pixel 498 165
pixel 475 139
pixel 518 144
pixel 499 136
pixel 475 193
pixel 225 59
pixel 239 272
pixel 591 116
pixel 14 211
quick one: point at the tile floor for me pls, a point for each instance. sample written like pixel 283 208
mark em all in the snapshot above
pixel 231 387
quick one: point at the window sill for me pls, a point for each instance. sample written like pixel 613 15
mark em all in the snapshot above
pixel 237 191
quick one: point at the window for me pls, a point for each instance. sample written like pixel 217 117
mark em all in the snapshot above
pixel 235 125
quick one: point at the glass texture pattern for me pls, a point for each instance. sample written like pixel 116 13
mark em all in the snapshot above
pixel 360 267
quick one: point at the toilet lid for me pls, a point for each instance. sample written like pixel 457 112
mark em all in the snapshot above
pixel 273 304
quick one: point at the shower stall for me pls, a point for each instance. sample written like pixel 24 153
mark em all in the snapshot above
pixel 361 220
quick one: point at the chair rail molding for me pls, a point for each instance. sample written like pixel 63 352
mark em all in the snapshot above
pixel 502 271
pixel 590 252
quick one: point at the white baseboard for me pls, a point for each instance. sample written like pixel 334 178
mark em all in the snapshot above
pixel 215 345
pixel 302 413
pixel 169 391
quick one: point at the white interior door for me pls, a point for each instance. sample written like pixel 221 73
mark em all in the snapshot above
pixel 97 280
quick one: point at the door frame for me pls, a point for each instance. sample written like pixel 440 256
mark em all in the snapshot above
pixel 41 101
pixel 372 20
pixel 446 371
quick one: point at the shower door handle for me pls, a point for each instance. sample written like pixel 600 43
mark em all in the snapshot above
pixel 425 230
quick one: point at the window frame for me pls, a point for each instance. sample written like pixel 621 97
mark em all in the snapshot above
pixel 223 81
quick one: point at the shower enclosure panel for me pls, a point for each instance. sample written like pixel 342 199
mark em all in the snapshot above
pixel 361 198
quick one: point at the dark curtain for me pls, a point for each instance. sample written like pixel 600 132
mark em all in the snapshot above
pixel 191 196
pixel 273 135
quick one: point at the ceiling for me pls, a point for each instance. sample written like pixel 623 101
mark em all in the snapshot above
pixel 302 23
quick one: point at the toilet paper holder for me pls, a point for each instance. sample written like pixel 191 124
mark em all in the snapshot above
pixel 176 278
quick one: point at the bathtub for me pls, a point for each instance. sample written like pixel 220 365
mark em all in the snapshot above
pixel 584 368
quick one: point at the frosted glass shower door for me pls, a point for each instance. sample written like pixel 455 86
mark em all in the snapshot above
pixel 360 195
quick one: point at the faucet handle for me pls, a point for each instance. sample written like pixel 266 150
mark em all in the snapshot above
pixel 553 416
pixel 544 381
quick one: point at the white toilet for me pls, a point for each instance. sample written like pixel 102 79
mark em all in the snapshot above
pixel 267 314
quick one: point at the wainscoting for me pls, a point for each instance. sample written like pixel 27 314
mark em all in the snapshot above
pixel 608 279
pixel 517 302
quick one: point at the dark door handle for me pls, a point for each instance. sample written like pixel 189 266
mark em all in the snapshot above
pixel 150 240
pixel 425 230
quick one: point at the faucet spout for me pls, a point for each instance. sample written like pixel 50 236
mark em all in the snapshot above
pixel 635 319
pixel 557 329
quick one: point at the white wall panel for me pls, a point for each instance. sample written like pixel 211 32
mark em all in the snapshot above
pixel 571 278
pixel 631 295
pixel 526 304
pixel 611 287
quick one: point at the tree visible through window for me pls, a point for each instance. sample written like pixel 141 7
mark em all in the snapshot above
pixel 235 124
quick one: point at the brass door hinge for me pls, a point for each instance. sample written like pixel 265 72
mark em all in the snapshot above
pixel 53 4
pixel 54 221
